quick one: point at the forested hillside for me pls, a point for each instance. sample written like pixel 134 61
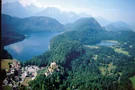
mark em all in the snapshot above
pixel 30 24
pixel 84 65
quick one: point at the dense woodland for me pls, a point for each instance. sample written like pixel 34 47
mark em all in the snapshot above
pixel 86 68
pixel 9 37
pixel 29 25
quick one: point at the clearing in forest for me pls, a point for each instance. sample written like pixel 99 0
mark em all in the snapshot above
pixel 5 63
pixel 133 81
pixel 119 50
pixel 26 81
pixel 107 70
pixel 92 46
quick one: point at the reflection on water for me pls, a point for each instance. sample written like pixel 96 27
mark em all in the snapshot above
pixel 35 45
pixel 107 43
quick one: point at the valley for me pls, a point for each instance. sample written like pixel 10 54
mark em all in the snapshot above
pixel 78 47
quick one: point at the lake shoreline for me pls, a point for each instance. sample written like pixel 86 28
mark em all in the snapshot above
pixel 33 45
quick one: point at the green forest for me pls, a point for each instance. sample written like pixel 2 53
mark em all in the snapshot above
pixel 87 68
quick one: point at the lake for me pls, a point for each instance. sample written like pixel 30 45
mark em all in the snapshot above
pixel 35 45
pixel 107 43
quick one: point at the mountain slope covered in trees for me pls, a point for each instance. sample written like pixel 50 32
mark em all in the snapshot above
pixel 87 68
pixel 30 24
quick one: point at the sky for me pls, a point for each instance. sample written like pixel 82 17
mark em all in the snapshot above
pixel 113 10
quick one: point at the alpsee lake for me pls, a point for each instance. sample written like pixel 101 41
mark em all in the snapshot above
pixel 32 46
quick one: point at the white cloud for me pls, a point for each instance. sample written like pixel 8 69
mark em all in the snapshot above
pixel 36 3
pixel 17 48
pixel 28 2
pixel 25 2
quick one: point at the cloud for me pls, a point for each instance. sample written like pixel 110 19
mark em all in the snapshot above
pixel 36 3
pixel 17 48
pixel 28 2
pixel 25 2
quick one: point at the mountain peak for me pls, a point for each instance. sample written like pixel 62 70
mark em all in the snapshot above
pixel 89 22
pixel 14 9
pixel 12 3
pixel 119 25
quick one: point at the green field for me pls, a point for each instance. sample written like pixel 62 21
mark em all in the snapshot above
pixel 6 88
pixel 119 50
pixel 91 46
pixel 107 70
pixel 103 70
pixel 26 81
pixel 111 66
pixel 133 81
pixel 95 57
pixel 4 63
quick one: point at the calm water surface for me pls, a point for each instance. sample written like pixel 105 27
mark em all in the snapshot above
pixel 35 45
pixel 107 43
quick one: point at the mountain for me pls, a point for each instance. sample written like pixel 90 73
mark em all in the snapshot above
pixel 39 23
pixel 50 12
pixel 62 16
pixel 84 23
pixel 9 35
pixel 132 24
pixel 17 10
pixel 30 24
pixel 102 21
pixel 86 30
pixel 33 9
pixel 14 9
pixel 118 26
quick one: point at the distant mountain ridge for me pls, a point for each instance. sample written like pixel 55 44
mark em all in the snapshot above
pixel 17 10
pixel 102 21
pixel 14 9
pixel 33 9
pixel 30 24
pixel 116 26
pixel 62 16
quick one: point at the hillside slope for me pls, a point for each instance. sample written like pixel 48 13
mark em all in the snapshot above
pixel 30 24
pixel 87 68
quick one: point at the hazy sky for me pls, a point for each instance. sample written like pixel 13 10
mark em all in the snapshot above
pixel 123 10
